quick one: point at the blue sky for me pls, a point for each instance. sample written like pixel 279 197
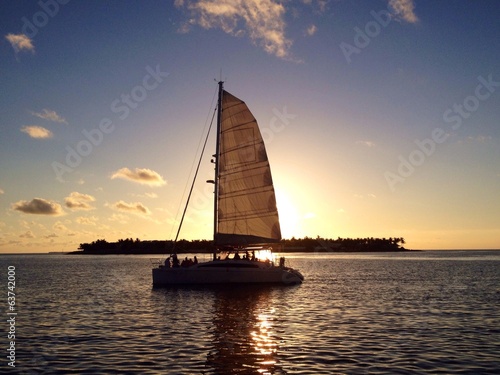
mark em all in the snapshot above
pixel 381 118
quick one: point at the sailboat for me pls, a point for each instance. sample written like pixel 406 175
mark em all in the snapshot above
pixel 246 221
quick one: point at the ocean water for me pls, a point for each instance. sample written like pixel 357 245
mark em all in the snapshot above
pixel 434 312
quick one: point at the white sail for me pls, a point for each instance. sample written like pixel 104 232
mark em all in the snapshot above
pixel 247 212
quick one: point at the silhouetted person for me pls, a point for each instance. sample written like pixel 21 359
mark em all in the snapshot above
pixel 175 261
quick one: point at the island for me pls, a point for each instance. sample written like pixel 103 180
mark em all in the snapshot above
pixel 306 244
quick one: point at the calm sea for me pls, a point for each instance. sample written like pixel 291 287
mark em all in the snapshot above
pixel 407 313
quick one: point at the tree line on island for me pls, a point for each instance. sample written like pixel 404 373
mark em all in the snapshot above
pixel 306 244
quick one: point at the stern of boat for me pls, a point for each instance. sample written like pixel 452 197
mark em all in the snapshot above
pixel 292 276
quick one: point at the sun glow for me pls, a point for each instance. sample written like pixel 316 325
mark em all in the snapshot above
pixel 265 255
pixel 289 216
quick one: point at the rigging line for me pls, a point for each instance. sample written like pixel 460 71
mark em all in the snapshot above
pixel 194 179
pixel 194 162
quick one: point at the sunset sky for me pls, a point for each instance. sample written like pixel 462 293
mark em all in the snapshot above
pixel 381 118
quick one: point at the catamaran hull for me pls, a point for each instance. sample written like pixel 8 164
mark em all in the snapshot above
pixel 201 276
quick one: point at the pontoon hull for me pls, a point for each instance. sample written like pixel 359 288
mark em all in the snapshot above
pixel 225 275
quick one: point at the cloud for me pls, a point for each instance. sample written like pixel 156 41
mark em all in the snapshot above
pixel 136 207
pixel 38 206
pixel 262 20
pixel 366 143
pixel 79 201
pixel 35 131
pixel 2 192
pixel 311 30
pixel 28 234
pixel 20 42
pixel 122 219
pixel 480 138
pixel 404 9
pixel 309 215
pixel 361 196
pixel 49 115
pixel 140 175
pixel 59 226
pixel 87 220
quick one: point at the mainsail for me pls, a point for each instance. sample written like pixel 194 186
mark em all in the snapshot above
pixel 246 208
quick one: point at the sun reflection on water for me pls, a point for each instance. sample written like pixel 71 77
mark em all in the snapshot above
pixel 244 333
pixel 264 343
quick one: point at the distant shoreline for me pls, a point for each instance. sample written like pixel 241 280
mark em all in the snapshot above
pixel 293 245
pixel 284 251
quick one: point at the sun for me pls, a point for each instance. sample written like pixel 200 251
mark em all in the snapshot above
pixel 289 216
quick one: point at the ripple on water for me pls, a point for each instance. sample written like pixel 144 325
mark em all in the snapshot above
pixel 355 315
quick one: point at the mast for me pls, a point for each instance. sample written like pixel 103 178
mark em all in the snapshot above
pixel 217 154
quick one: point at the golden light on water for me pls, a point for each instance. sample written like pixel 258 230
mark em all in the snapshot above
pixel 264 343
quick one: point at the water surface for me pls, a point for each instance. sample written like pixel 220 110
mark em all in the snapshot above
pixel 404 313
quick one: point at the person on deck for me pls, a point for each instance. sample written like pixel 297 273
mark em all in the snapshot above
pixel 175 261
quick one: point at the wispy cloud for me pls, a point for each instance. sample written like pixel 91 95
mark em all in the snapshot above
pixel 135 207
pixel 35 131
pixel 38 206
pixel 262 20
pixel 50 115
pixel 480 138
pixel 28 234
pixel 361 196
pixel 79 201
pixel 122 219
pixel 87 220
pixel 322 5
pixel 311 30
pixel 405 9
pixel 59 226
pixel 140 175
pixel 366 143
pixel 2 192
pixel 20 42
